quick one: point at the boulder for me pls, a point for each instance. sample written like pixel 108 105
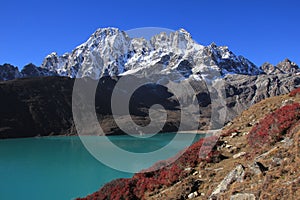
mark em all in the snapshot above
pixel 243 196
pixel 235 156
pixel 237 174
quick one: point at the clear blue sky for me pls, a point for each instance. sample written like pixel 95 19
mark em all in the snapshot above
pixel 261 30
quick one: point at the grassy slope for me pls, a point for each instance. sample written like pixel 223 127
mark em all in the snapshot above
pixel 281 181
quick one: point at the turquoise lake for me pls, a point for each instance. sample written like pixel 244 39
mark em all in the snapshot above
pixel 61 167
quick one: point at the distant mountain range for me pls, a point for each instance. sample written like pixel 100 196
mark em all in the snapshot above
pixel 111 52
pixel 38 100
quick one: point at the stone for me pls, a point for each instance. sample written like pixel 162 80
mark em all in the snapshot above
pixel 229 124
pixel 286 102
pixel 237 174
pixel 276 161
pixel 235 156
pixel 261 167
pixel 258 168
pixel 246 133
pixel 218 169
pixel 234 134
pixel 188 169
pixel 193 195
pixel 254 168
pixel 287 142
pixel 243 196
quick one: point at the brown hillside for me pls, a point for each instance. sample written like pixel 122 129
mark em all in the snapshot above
pixel 240 170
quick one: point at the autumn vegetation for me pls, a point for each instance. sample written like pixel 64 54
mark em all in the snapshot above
pixel 294 92
pixel 153 181
pixel 274 126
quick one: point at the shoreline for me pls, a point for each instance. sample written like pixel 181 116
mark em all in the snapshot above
pixel 198 132
pixel 201 132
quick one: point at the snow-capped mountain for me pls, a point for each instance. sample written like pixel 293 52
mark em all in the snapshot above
pixel 110 51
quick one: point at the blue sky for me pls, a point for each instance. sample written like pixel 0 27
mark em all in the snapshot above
pixel 261 30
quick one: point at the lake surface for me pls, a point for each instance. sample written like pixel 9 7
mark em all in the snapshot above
pixel 62 168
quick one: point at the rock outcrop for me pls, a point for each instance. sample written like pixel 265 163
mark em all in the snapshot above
pixel 243 91
pixel 237 174
pixel 31 70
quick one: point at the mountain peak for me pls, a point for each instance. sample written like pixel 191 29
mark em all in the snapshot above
pixel 53 54
pixel 101 34
pixel 286 66
pixel 185 32
pixel 213 45
pixel 110 52
pixel 8 72
pixel 109 31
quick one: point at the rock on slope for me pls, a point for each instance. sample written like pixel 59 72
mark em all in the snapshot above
pixel 243 91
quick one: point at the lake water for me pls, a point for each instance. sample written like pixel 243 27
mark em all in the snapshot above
pixel 62 168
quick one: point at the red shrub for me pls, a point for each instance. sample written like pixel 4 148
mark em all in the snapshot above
pixel 116 189
pixel 135 187
pixel 294 92
pixel 273 126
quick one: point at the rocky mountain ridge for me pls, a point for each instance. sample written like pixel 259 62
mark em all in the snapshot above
pixel 42 105
pixel 112 52
pixel 285 66
pixel 10 72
